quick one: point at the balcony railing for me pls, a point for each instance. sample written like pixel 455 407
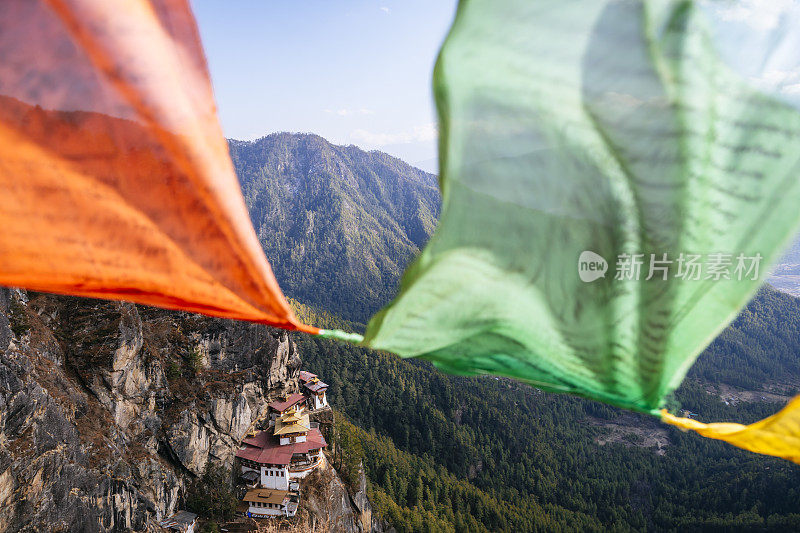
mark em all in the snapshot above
pixel 304 465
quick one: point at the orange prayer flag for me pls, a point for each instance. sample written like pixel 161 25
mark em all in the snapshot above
pixel 115 176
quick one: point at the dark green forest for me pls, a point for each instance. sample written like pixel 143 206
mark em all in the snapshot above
pixel 761 347
pixel 448 453
pixel 492 454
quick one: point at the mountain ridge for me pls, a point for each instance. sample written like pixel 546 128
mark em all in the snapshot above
pixel 351 219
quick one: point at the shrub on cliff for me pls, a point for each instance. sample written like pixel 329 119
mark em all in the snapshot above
pixel 212 496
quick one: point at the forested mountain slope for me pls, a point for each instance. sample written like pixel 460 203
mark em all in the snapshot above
pixel 338 224
pixel 760 350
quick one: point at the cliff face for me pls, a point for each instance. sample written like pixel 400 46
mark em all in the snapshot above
pixel 331 506
pixel 107 409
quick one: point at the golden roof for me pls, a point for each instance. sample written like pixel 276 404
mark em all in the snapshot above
pixel 292 422
pixel 291 417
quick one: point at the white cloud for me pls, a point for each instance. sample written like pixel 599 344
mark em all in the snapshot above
pixel 759 14
pixel 385 9
pixel 786 82
pixel 424 133
pixel 349 112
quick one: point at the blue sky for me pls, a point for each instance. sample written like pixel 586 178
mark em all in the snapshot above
pixel 354 71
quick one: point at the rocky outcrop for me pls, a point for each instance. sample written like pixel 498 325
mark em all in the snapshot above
pixel 326 500
pixel 107 409
pixel 361 502
pixel 328 504
pixel 368 520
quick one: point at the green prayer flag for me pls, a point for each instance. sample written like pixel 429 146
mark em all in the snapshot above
pixel 583 135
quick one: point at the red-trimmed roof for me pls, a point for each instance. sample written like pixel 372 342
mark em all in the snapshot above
pixel 278 455
pixel 259 439
pixel 314 441
pixel 293 399
pixel 316 387
pixel 263 448
pixel 306 376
